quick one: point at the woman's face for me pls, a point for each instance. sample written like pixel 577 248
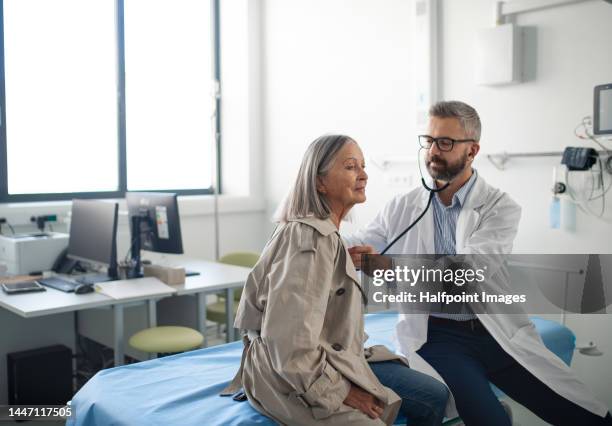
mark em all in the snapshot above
pixel 344 185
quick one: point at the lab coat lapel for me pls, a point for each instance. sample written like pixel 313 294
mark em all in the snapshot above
pixel 470 213
pixel 425 228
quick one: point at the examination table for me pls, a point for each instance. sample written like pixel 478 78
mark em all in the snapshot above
pixel 183 389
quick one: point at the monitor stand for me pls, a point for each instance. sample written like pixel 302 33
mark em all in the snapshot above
pixel 137 269
pixel 93 277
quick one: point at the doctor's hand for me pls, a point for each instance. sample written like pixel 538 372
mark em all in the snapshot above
pixel 374 262
pixel 356 253
pixel 367 403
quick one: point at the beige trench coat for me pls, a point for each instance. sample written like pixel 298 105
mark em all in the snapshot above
pixel 305 299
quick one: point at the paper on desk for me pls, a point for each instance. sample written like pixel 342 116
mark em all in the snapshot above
pixel 138 287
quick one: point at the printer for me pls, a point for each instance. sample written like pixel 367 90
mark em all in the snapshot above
pixel 36 252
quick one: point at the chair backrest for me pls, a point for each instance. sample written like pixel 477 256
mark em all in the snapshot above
pixel 240 258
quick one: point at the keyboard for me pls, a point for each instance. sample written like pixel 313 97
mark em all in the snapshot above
pixel 58 284
pixel 93 279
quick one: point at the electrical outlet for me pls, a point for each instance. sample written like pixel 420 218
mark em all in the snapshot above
pixel 399 179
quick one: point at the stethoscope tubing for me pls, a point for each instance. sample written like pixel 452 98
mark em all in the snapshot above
pixel 432 192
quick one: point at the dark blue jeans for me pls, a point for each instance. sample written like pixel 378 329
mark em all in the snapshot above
pixel 423 397
pixel 469 359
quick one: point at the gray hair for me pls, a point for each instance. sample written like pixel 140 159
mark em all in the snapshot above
pixel 304 199
pixel 467 116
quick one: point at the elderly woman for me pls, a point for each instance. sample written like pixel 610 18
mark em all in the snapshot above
pixel 304 361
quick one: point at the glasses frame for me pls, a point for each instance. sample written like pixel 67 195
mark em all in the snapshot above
pixel 436 141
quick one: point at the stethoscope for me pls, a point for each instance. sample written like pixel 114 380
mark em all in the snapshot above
pixel 432 192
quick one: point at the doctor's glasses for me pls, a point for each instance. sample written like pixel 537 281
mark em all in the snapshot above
pixel 443 144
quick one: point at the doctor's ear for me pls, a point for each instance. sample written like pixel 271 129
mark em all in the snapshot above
pixel 474 150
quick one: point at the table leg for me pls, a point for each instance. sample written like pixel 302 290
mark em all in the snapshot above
pixel 75 364
pixel 229 310
pixel 152 313
pixel 201 316
pixel 118 334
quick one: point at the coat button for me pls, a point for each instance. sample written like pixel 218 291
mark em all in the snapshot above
pixel 340 291
pixel 337 346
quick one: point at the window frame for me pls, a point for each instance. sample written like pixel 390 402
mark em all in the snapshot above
pixel 5 197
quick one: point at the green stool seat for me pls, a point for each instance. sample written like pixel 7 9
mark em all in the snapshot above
pixel 240 258
pixel 216 312
pixel 166 339
pixel 246 259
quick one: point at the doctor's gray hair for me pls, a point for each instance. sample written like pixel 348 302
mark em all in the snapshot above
pixel 304 199
pixel 467 116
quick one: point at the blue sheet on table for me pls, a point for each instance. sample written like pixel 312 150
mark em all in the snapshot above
pixel 183 389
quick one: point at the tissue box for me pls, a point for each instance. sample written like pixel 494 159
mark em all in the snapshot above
pixel 167 274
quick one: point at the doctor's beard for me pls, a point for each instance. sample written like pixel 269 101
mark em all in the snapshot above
pixel 447 172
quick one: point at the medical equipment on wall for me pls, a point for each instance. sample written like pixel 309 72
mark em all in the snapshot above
pixel 593 166
pixel 432 192
pixel 555 216
pixel 587 176
pixel 602 109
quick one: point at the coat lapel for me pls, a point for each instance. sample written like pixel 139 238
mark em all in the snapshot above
pixel 326 227
pixel 425 227
pixel 470 212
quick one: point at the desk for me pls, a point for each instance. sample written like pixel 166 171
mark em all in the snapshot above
pixel 213 277
pixel 52 301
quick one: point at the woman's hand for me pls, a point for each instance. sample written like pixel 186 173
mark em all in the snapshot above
pixel 364 402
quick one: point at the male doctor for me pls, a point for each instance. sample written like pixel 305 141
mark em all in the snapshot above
pixel 468 350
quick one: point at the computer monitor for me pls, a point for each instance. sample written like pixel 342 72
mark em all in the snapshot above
pixel 154 224
pixel 93 233
pixel 602 111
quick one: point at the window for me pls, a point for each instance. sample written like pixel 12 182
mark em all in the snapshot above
pixel 101 97
pixel 168 68
pixel 61 107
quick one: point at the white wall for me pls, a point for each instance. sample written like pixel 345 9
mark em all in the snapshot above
pixel 340 66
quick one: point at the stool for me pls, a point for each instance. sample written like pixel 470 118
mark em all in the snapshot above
pixel 166 340
pixel 216 312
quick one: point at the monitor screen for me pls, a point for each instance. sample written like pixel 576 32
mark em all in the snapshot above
pixel 160 227
pixel 602 123
pixel 93 232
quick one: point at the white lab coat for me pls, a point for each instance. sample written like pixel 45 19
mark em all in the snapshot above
pixel 487 224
